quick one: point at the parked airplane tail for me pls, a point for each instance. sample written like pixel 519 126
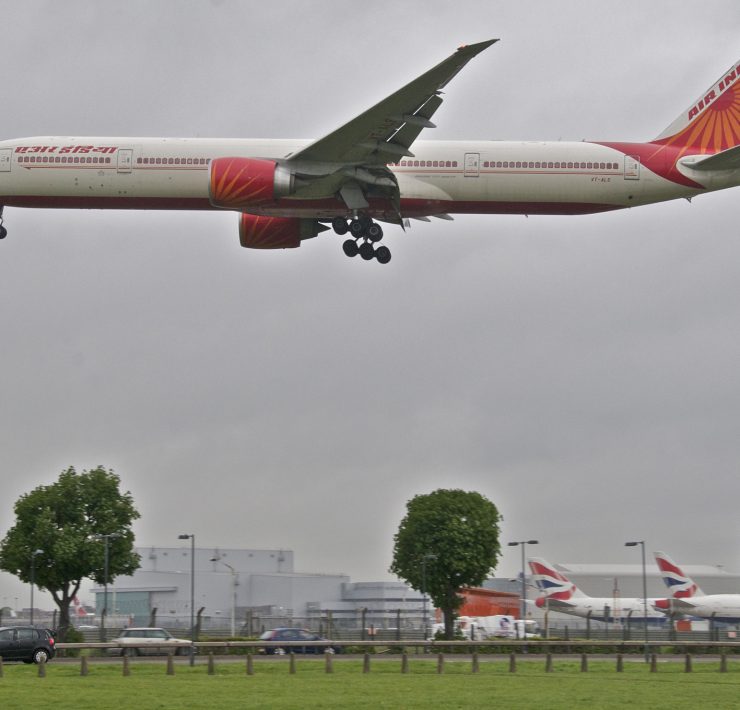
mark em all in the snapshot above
pixel 680 585
pixel 553 584
pixel 712 123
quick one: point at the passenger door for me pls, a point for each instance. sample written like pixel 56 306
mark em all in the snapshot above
pixel 26 642
pixel 8 644
pixel 5 160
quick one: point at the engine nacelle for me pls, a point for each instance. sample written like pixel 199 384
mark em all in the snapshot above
pixel 240 183
pixel 260 232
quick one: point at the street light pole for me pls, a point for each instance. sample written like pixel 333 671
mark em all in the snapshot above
pixel 641 543
pixel 105 537
pixel 33 577
pixel 233 592
pixel 424 560
pixel 191 537
pixel 523 544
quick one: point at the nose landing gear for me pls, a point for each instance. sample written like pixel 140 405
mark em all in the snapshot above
pixel 365 233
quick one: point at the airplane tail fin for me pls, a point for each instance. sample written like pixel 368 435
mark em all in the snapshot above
pixel 553 584
pixel 712 123
pixel 680 585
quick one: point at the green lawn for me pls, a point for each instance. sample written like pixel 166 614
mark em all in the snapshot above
pixel 272 686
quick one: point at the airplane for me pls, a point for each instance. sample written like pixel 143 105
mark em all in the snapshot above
pixel 364 172
pixel 561 595
pixel 687 599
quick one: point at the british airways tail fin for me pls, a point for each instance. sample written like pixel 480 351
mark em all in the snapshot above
pixel 680 585
pixel 712 123
pixel 553 584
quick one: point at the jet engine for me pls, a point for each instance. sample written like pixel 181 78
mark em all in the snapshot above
pixel 260 232
pixel 239 183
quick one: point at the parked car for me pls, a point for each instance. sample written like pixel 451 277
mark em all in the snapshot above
pixel 26 643
pixel 295 635
pixel 149 641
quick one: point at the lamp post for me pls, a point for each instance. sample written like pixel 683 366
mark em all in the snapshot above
pixel 33 577
pixel 105 537
pixel 233 592
pixel 191 537
pixel 425 558
pixel 523 544
pixel 641 543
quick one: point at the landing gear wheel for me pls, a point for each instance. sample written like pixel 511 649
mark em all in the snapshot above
pixel 383 255
pixel 357 228
pixel 375 232
pixel 366 251
pixel 350 247
pixel 339 225
pixel 3 232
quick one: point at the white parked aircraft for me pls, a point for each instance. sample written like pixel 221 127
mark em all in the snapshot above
pixel 365 172
pixel 560 594
pixel 687 599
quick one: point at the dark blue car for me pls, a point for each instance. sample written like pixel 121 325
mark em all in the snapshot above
pixel 26 643
pixel 275 636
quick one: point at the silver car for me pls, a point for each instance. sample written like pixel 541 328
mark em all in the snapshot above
pixel 149 641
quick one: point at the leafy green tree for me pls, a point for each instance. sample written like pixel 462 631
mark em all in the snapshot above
pixel 59 527
pixel 448 540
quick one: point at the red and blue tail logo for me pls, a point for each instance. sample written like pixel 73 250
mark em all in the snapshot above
pixel 552 583
pixel 678 583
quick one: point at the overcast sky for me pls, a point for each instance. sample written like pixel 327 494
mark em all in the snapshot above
pixel 580 372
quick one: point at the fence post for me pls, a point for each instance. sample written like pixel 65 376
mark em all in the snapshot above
pixel 687 666
pixel 126 669
pixel 42 670
pixel 170 664
pixel 548 663
pixel 584 663
pixel 211 666
pixel 620 663
pixel 722 662
pixel 329 666
pixel 653 663
pixel 1 666
pixel 404 662
pixel 83 665
pixel 292 662
pixel 366 663
pixel 440 663
pixel 250 664
pixel 512 662
pixel 476 667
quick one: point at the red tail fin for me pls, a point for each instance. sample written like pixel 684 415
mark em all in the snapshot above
pixel 712 123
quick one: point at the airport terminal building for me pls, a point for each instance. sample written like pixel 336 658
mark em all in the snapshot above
pixel 255 586
pixel 260 588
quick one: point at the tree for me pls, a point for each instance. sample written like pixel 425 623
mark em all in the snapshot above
pixel 58 528
pixel 448 540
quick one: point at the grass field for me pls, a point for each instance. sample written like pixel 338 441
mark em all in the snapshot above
pixel 272 686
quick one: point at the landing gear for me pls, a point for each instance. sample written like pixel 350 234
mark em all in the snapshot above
pixel 340 226
pixel 365 233
pixel 3 231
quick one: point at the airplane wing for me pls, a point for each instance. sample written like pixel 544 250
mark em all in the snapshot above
pixel 385 132
pixel 351 160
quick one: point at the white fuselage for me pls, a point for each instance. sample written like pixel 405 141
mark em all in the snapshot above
pixel 486 177
pixel 720 607
pixel 628 609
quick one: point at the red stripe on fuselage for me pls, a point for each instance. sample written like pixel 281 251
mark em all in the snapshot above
pixel 310 208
